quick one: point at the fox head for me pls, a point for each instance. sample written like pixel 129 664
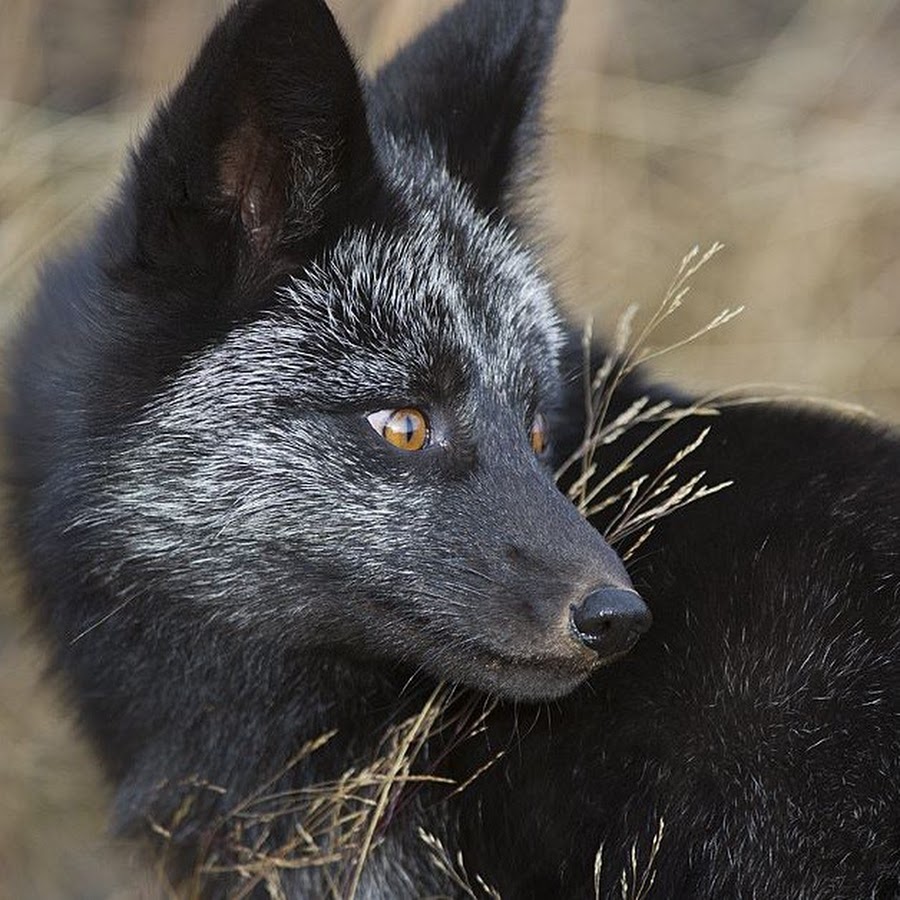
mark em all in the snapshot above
pixel 318 368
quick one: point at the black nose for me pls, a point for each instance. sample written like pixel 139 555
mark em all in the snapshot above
pixel 610 620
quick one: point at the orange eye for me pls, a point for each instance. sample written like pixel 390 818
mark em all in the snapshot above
pixel 405 428
pixel 539 434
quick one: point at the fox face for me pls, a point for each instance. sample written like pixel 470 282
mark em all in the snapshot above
pixel 322 379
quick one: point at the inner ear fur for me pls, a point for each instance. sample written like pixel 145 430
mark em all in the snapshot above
pixel 254 179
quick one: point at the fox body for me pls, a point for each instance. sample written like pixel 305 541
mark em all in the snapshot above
pixel 753 731
pixel 231 558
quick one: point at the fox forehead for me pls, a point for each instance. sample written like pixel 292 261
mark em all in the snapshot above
pixel 390 307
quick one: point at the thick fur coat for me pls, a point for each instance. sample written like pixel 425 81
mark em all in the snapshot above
pixel 230 561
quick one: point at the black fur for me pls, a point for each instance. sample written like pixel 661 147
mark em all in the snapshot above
pixel 485 138
pixel 759 718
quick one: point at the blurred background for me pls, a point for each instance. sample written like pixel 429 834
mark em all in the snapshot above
pixel 770 125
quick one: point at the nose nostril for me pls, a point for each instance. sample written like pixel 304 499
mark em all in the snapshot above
pixel 610 620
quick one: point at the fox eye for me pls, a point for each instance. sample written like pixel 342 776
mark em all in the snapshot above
pixel 405 428
pixel 539 434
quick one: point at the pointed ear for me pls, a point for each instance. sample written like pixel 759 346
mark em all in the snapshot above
pixel 473 83
pixel 262 149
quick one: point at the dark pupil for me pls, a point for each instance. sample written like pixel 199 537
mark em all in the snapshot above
pixel 409 428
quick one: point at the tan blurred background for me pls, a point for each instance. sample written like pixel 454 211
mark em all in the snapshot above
pixel 770 125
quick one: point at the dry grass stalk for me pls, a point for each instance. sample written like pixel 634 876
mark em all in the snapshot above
pixel 454 870
pixel 334 826
pixel 646 498
pixel 635 881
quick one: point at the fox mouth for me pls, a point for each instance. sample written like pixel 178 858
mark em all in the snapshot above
pixel 548 666
pixel 582 660
pixel 538 676
pixel 535 677
pixel 596 638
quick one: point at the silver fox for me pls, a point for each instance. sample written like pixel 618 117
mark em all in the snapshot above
pixel 283 433
pixel 281 427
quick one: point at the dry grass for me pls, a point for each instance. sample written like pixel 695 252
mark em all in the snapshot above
pixel 784 147
pixel 774 127
pixel 637 877
pixel 637 504
pixel 339 824
pixel 453 868
pixel 334 827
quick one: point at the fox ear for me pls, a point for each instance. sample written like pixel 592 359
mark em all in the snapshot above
pixel 473 82
pixel 258 153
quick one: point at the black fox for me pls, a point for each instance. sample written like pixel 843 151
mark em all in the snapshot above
pixel 283 434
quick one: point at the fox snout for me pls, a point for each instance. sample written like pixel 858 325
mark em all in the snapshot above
pixel 555 601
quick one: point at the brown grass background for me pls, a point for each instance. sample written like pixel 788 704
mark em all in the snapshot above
pixel 771 125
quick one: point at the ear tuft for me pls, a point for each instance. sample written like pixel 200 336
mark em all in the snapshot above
pixel 253 176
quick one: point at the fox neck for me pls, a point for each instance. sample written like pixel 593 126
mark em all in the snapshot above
pixel 281 725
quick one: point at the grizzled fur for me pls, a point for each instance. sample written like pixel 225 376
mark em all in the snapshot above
pixel 230 561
